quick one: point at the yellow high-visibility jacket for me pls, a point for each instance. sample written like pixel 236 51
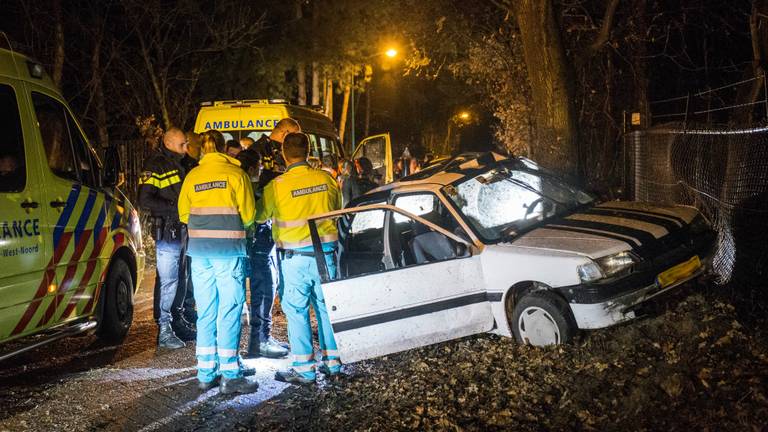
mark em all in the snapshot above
pixel 217 204
pixel 293 197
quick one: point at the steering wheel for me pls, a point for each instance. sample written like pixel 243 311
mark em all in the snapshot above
pixel 532 206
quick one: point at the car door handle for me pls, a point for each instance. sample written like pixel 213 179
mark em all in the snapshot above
pixel 58 204
pixel 26 205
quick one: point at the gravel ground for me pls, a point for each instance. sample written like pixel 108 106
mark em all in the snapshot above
pixel 697 366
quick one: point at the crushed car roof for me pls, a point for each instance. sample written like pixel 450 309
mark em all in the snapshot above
pixel 440 174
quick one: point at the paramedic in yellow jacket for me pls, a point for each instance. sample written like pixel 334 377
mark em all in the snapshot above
pixel 216 202
pixel 289 200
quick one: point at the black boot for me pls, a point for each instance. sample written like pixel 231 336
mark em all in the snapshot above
pixel 183 329
pixel 167 339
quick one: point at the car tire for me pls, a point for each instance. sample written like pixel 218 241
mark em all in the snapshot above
pixel 542 318
pixel 117 304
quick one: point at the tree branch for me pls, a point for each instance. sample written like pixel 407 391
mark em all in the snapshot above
pixel 605 28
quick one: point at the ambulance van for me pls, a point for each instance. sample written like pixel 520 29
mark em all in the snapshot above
pixel 256 117
pixel 71 255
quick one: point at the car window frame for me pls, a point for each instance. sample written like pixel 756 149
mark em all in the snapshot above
pixel 320 254
pixel 24 166
pixel 71 123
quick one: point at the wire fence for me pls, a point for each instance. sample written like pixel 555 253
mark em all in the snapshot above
pixel 717 105
pixel 721 171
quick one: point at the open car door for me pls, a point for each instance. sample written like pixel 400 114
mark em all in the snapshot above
pixel 378 149
pixel 379 305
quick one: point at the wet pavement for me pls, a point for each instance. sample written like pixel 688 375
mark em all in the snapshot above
pixel 81 384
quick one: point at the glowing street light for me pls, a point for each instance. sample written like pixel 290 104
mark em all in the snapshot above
pixel 464 115
pixel 391 53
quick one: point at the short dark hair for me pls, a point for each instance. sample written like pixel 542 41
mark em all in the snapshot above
pixel 296 146
pixel 233 143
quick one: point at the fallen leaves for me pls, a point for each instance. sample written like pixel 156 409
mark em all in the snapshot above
pixel 694 367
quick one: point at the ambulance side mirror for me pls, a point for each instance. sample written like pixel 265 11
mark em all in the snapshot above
pixel 112 176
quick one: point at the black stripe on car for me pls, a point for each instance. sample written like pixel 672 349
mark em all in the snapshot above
pixel 414 311
pixel 644 237
pixel 648 212
pixel 669 225
pixel 633 244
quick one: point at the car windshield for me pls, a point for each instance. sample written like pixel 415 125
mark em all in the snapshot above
pixel 509 199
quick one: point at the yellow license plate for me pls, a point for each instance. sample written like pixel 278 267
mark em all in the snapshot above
pixel 679 272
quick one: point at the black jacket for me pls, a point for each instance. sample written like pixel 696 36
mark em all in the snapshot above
pixel 159 188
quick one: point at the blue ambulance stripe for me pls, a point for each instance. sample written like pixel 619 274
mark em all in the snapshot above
pixel 116 221
pixel 85 214
pixel 61 224
pixel 100 220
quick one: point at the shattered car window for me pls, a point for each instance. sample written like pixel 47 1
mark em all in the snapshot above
pixel 502 202
pixel 367 220
pixel 418 205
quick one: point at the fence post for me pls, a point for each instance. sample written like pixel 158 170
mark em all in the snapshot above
pixel 637 163
pixel 765 95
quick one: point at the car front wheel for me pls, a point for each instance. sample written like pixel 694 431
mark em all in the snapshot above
pixel 117 303
pixel 542 318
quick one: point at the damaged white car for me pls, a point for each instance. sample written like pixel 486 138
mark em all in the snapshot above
pixel 484 243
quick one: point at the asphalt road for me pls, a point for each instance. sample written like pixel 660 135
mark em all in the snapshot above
pixel 82 384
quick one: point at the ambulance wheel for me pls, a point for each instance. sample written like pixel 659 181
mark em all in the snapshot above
pixel 542 318
pixel 117 303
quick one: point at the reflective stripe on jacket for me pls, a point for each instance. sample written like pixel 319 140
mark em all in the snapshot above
pixel 293 197
pixel 217 204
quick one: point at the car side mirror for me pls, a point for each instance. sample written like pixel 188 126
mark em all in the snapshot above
pixel 113 175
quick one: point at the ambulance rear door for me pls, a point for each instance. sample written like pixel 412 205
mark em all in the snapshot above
pixel 378 149
pixel 24 252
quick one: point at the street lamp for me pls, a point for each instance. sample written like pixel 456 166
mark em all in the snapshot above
pixel 391 53
pixel 459 119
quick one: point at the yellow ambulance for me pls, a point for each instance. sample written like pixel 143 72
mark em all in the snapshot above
pixel 256 117
pixel 71 255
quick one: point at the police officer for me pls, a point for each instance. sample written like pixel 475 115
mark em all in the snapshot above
pixel 217 204
pixel 159 188
pixel 289 200
pixel 261 253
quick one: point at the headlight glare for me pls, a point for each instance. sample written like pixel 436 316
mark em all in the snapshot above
pixel 590 272
pixel 617 264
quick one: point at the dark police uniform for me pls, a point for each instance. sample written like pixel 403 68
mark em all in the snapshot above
pixel 159 188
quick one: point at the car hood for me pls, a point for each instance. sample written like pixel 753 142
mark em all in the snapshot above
pixel 610 228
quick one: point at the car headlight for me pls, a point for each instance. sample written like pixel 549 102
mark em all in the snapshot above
pixel 590 272
pixel 607 267
pixel 617 264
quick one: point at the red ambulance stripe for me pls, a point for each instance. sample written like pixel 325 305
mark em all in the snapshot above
pixel 118 241
pixel 69 276
pixel 88 273
pixel 42 289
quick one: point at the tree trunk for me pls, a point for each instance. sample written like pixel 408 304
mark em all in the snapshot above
pixel 328 94
pixel 98 89
pixel 58 56
pixel 315 84
pixel 368 92
pixel 301 71
pixel 344 110
pixel 758 28
pixel 301 67
pixel 549 76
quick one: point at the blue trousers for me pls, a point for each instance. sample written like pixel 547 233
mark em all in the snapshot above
pixel 262 297
pixel 220 295
pixel 300 288
pixel 168 259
